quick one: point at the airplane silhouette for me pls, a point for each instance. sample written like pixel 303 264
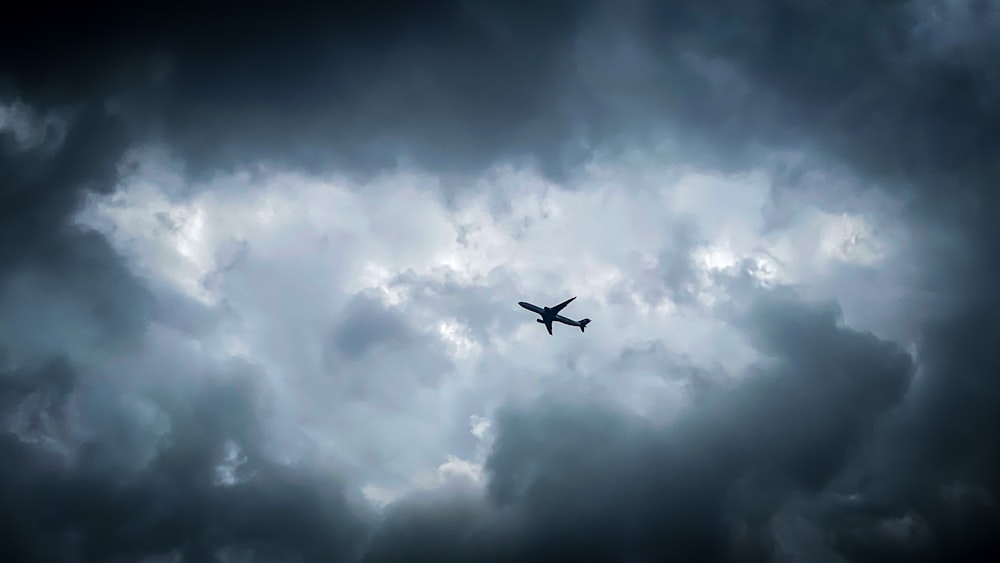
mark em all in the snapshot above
pixel 550 314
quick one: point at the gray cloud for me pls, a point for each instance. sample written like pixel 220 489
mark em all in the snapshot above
pixel 673 276
pixel 451 85
pixel 830 439
pixel 576 479
pixel 42 187
pixel 367 326
pixel 94 507
pixel 373 348
pixel 587 481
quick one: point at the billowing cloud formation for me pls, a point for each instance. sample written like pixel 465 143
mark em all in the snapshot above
pixel 566 479
pixel 306 308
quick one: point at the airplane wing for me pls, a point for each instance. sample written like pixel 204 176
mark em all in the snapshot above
pixel 562 305
pixel 548 326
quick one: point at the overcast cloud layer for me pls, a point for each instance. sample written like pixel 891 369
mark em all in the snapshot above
pixel 259 271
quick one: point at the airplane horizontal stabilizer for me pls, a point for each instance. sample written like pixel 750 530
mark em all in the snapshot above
pixel 583 324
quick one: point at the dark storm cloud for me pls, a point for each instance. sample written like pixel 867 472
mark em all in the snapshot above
pixel 567 479
pixel 42 185
pixel 459 84
pixel 450 84
pixel 929 126
pixel 582 481
pixel 904 93
pixel 654 358
pixel 97 505
pixel 852 79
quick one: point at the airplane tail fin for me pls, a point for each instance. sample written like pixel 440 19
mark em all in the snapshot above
pixel 583 324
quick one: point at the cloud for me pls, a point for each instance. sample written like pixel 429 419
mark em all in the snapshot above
pixel 776 212
pixel 589 481
pixel 96 506
pixel 576 478
pixel 486 81
pixel 384 397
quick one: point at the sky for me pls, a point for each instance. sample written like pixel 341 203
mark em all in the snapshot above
pixel 260 267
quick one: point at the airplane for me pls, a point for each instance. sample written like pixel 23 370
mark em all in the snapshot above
pixel 550 314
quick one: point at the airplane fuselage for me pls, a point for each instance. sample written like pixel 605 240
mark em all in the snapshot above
pixel 551 314
pixel 547 314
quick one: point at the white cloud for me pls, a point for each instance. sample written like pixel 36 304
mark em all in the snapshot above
pixel 283 254
pixel 849 238
pixel 460 469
